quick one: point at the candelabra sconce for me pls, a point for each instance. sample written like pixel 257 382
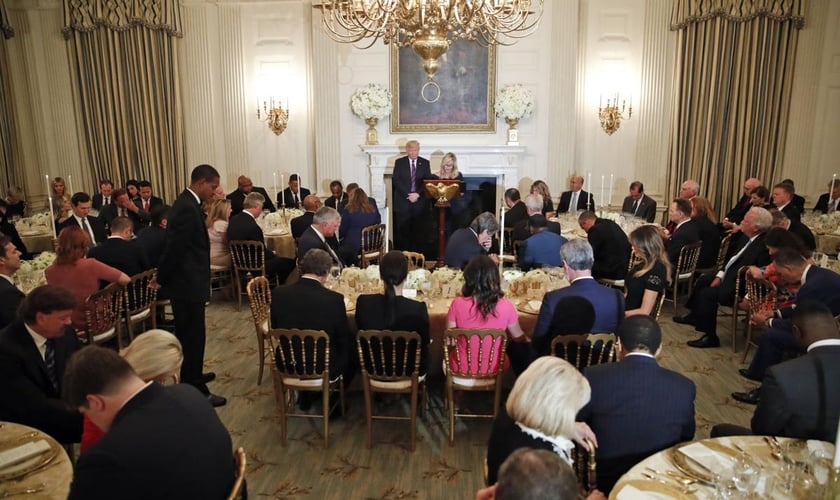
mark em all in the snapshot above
pixel 611 115
pixel 276 117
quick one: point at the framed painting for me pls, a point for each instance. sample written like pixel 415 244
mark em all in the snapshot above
pixel 460 99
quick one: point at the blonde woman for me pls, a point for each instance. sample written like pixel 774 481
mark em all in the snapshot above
pixel 449 168
pixel 541 188
pixel 217 219
pixel 57 193
pixel 66 210
pixel 650 275
pixel 540 413
pixel 457 205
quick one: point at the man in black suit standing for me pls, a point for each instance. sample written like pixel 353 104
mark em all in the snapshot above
pixel 783 200
pixel 81 217
pixel 184 272
pixel 636 397
pixel 159 441
pixel 638 204
pixel 243 189
pixel 324 225
pixel 685 232
pixel 517 211
pixel 34 350
pixel 122 206
pixel 300 224
pixel 10 295
pixel 147 201
pixel 610 246
pixel 575 198
pixel 293 195
pixel 244 227
pixel 120 251
pixel 829 202
pixel 409 200
pixel 338 200
pixel 103 197
pixel 747 250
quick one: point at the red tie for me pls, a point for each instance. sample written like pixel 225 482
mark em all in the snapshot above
pixel 146 205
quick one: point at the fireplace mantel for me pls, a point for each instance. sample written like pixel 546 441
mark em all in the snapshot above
pixel 503 162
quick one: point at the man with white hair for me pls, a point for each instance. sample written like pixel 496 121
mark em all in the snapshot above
pixel 534 206
pixel 324 225
pixel 689 189
pixel 244 227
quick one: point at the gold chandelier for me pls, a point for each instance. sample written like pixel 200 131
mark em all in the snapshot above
pixel 611 115
pixel 276 117
pixel 430 26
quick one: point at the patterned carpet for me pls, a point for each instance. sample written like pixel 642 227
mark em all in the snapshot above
pixel 348 469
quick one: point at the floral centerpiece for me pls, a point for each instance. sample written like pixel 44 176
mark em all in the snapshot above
pixel 823 223
pixel 418 279
pixel 514 102
pixel 371 103
pixel 39 222
pixel 39 263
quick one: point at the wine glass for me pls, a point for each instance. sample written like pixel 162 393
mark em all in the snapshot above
pixel 745 474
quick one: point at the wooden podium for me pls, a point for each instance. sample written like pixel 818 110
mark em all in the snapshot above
pixel 441 191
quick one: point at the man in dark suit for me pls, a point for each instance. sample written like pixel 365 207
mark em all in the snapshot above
pixel 637 407
pixel 783 200
pixel 685 230
pixel 8 229
pixel 469 242
pixel 120 251
pixel 184 272
pixel 338 200
pixel 638 204
pixel 409 200
pixel 747 250
pixel 797 200
pixel 609 244
pixel 34 350
pixel 244 227
pixel 533 206
pixel 517 211
pixel 828 202
pixel 10 295
pixel 81 217
pixel 607 302
pixel 152 239
pixel 736 215
pixel 799 398
pixel 306 304
pixel 293 195
pixel 325 224
pixel 159 441
pixel 244 188
pixel 821 286
pixel 575 198
pixel 542 248
pixel 300 224
pixel 796 227
pixel 103 197
pixel 146 201
pixel 124 207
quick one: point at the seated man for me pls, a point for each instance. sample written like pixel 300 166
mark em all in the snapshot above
pixel 8 229
pixel 517 211
pixel 638 204
pixel 81 217
pixel 160 441
pixel 15 204
pixel 736 215
pixel 311 204
pixel 147 201
pixel 292 196
pixel 533 206
pixel 307 304
pixel 637 407
pixel 797 200
pixel 828 202
pixel 796 227
pixel 120 251
pixel 103 197
pixel 10 295
pixel 528 473
pixel 607 302
pixel 542 248
pixel 467 242
pixel 799 398
pixel 610 246
pixel 244 227
pixel 324 227
pixel 34 350
pixel 338 199
pixel 783 200
pixel 685 230
pixel 575 198
pixel 123 206
pixel 243 189
pixel 152 239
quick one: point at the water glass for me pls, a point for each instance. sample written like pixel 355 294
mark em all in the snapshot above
pixel 746 473
pixel 724 482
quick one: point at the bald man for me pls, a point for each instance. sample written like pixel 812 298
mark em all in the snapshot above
pixel 689 189
pixel 244 187
pixel 736 215
pixel 575 199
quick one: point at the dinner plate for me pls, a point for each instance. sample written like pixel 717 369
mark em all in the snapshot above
pixel 276 232
pixel 651 489
pixel 32 464
pixel 32 233
pixel 695 469
pixel 528 307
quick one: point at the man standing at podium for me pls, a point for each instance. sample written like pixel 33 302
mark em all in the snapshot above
pixel 409 200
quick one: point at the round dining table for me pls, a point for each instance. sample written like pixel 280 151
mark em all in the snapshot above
pixel 46 475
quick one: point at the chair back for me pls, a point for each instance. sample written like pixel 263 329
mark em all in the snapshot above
pixel 687 261
pixel 248 256
pixel 585 350
pixel 103 314
pixel 586 465
pixel 139 296
pixel 259 296
pixel 478 353
pixel 657 306
pixel 241 462
pixel 372 244
pixel 416 260
pixel 301 354
pixel 761 294
pixel 389 355
pixel 724 249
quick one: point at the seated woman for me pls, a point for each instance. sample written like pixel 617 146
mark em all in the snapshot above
pixel 541 188
pixel 650 276
pixel 155 356
pixel 74 271
pixel 777 238
pixel 66 210
pixel 704 216
pixel 217 224
pixel 482 306
pixel 132 187
pixel 390 310
pixel 540 413
pixel 760 197
pixel 357 215
pixel 57 191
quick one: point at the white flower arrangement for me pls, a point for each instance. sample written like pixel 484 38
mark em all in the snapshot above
pixel 372 272
pixel 37 222
pixel 514 102
pixel 39 263
pixel 371 101
pixel 823 223
pixel 418 279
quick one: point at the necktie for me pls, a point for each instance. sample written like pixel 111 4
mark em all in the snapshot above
pixel 122 212
pixel 574 204
pixel 295 199
pixel 107 201
pixel 49 360
pixel 87 230
pixel 146 205
pixel 413 176
pixel 635 206
pixel 736 257
pixel 333 255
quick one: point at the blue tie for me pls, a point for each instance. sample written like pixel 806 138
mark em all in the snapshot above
pixel 49 360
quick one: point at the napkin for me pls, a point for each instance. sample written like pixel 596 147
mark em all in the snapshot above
pixel 629 492
pixel 815 445
pixel 534 305
pixel 276 232
pixel 22 453
pixel 712 460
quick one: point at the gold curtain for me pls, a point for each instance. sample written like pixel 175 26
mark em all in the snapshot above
pixel 733 78
pixel 125 65
pixel 11 173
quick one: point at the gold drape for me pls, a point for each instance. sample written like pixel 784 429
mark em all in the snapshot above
pixel 125 65
pixel 11 173
pixel 733 78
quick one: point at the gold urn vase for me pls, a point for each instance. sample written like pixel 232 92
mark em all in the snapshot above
pixel 371 137
pixel 512 133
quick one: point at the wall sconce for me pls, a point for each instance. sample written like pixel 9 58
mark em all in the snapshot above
pixel 611 115
pixel 276 117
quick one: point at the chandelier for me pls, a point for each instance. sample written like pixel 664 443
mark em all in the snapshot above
pixel 430 26
pixel 611 115
pixel 276 117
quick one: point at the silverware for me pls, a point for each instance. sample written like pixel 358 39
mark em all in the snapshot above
pixel 673 484
pixel 683 479
pixel 40 469
pixel 23 491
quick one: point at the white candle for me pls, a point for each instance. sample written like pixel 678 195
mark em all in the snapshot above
pixel 602 190
pixel 70 184
pixel 387 229
pixel 610 190
pixel 49 202
pixel 274 176
pixel 502 237
pixel 282 199
pixel 837 448
pixel 589 186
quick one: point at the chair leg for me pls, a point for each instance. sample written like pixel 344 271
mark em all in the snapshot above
pixel 261 347
pixel 674 293
pixel 413 420
pixel 283 418
pixel 735 326
pixel 450 397
pixel 747 343
pixel 237 286
pixel 368 410
pixel 326 406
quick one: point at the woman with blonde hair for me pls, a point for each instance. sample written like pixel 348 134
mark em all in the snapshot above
pixel 650 275
pixel 58 188
pixel 449 168
pixel 457 205
pixel 704 217
pixel 541 188
pixel 66 210
pixel 540 413
pixel 216 221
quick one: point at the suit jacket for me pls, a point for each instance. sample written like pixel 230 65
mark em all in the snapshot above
pixel 822 203
pixel 505 438
pixel 152 240
pixel 301 224
pixel 237 197
pixel 351 227
pixel 309 240
pixel 821 285
pixel 798 202
pixel 517 213
pixel 109 212
pixel 243 227
pixel 9 230
pixel 306 304
pixel 646 209
pixel 755 255
pixel 10 298
pixel 154 201
pixel 541 249
pixel 710 236
pixel 792 212
pixel 401 185
pixel 166 442
pixel 95 223
pixel 461 248
pixel 736 215
pixel 127 256
pixel 184 267
pixel 683 235
pixel 337 204
pixel 584 202
pixel 409 316
pixel 791 394
pixel 637 409
pixel 522 230
pixel 607 302
pixel 611 249
pixel 26 395
pixel 97 201
pixel 801 230
pixel 290 201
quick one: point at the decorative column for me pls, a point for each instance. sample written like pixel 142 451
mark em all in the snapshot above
pixel 566 81
pixel 233 90
pixel 325 106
